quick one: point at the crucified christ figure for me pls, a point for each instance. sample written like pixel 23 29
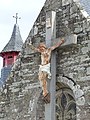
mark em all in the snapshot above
pixel 44 69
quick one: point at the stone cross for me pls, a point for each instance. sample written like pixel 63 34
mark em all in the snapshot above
pixel 50 112
pixel 51 34
pixel 16 17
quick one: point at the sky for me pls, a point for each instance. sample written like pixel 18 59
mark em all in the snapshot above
pixel 28 10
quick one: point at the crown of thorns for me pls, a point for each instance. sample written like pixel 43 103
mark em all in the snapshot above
pixel 42 45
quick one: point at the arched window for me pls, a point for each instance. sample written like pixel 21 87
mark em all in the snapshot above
pixel 65 103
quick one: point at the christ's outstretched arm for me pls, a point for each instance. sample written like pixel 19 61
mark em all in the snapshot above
pixel 57 45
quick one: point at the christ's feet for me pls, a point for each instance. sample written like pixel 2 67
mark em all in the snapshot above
pixel 47 98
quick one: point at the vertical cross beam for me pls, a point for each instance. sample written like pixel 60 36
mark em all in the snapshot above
pixel 50 35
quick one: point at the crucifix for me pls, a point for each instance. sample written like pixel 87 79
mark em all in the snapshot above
pixel 48 51
pixel 50 108
pixel 51 34
pixel 16 17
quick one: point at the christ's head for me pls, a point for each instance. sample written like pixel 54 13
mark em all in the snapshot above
pixel 42 47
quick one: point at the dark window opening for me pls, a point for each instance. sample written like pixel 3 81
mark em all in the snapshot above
pixel 9 57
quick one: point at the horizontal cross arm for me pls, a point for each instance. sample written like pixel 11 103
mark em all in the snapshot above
pixel 69 40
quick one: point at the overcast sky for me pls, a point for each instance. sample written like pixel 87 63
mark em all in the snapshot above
pixel 28 10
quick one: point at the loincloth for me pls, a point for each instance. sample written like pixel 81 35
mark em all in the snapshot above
pixel 45 68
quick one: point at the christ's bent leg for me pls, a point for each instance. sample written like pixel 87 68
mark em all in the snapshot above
pixel 43 76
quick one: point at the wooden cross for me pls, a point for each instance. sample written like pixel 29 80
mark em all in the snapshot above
pixel 50 111
pixel 16 17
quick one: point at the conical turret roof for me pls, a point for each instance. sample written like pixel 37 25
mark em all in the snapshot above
pixel 15 43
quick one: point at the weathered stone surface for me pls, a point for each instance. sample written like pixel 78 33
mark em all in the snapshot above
pixel 21 97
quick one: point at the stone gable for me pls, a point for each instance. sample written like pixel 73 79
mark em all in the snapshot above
pixel 21 97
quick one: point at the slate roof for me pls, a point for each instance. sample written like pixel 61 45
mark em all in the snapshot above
pixel 15 43
pixel 86 5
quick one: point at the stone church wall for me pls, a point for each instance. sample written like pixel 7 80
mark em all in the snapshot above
pixel 21 96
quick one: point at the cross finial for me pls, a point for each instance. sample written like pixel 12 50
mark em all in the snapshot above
pixel 17 17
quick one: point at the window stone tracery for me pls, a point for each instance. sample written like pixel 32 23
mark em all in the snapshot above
pixel 65 103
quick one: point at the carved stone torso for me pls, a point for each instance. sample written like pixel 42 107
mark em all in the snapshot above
pixel 45 56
